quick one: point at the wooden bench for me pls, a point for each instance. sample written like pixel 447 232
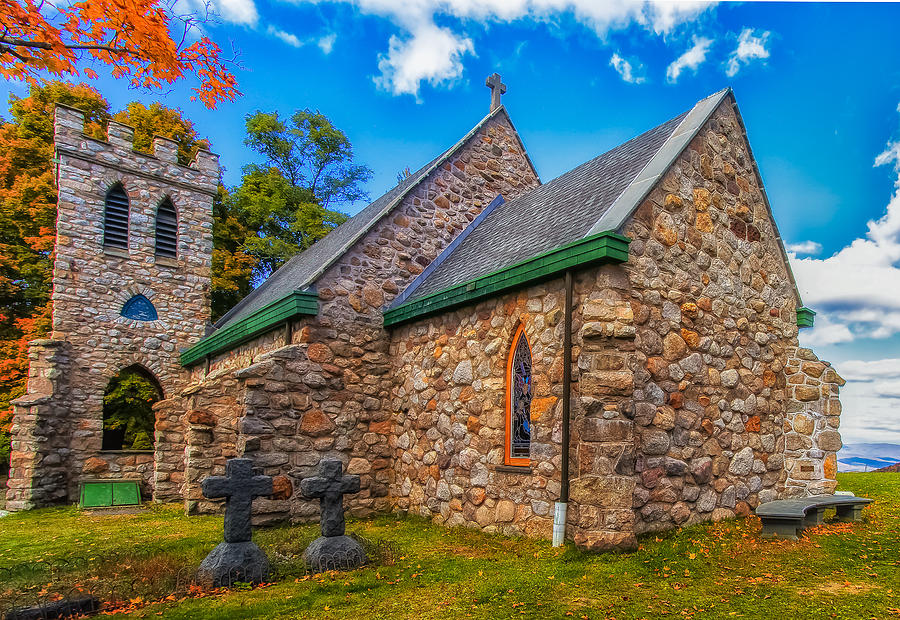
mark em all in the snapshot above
pixel 785 518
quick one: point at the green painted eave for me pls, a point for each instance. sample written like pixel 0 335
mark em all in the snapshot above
pixel 805 317
pixel 604 247
pixel 296 303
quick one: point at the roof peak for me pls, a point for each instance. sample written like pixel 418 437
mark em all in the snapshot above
pixel 302 270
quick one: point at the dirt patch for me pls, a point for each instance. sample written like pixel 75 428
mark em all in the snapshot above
pixel 840 588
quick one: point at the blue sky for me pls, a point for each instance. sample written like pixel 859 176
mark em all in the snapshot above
pixel 818 86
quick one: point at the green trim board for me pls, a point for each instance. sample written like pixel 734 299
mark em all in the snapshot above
pixel 605 247
pixel 805 317
pixel 295 303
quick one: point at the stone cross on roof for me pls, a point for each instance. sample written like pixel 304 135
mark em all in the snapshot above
pixel 330 488
pixel 497 88
pixel 238 486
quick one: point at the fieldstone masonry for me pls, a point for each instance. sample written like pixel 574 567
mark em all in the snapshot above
pixel 57 428
pixel 691 399
pixel 811 425
pixel 325 394
pixel 715 316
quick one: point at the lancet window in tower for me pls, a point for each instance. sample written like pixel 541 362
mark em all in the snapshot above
pixel 520 390
pixel 115 218
pixel 166 230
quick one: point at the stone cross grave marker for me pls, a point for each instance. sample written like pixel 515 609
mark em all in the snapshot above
pixel 497 88
pixel 238 486
pixel 329 488
pixel 332 550
pixel 238 558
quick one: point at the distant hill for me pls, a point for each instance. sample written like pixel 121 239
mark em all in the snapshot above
pixel 868 456
pixel 895 468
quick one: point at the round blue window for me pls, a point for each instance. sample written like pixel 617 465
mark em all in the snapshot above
pixel 139 308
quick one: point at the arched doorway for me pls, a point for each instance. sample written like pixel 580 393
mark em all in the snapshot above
pixel 128 418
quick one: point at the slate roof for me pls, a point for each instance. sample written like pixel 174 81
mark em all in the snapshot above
pixel 551 215
pixel 301 271
pixel 597 196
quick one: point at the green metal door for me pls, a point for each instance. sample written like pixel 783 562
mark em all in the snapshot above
pixel 96 494
pixel 104 493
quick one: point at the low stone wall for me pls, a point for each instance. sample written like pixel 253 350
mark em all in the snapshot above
pixel 122 464
pixel 210 414
pixel 811 425
pixel 168 465
pixel 38 474
pixel 300 409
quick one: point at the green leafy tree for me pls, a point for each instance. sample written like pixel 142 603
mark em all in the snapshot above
pixel 232 265
pixel 128 410
pixel 291 200
pixel 158 120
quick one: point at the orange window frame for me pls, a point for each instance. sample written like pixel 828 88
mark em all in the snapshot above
pixel 520 332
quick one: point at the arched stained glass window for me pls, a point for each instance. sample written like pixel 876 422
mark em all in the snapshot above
pixel 139 308
pixel 520 390
pixel 115 218
pixel 166 230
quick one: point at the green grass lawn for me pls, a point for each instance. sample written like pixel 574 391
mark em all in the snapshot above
pixel 722 570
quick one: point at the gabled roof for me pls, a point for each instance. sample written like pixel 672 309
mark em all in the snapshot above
pixel 556 213
pixel 522 236
pixel 301 271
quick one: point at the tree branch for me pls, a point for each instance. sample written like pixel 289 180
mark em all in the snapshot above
pixel 46 46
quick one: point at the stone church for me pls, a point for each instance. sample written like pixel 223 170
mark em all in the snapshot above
pixel 608 353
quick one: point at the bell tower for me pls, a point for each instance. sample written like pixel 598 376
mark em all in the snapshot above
pixel 131 285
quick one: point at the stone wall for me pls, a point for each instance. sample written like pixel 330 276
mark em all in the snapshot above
pixel 449 407
pixel 715 313
pixel 212 412
pixel 327 393
pixel 450 410
pixel 92 282
pixel 681 388
pixel 169 450
pixel 603 479
pixel 811 425
pixel 40 431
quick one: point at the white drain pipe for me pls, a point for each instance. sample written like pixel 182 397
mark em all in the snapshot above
pixel 559 523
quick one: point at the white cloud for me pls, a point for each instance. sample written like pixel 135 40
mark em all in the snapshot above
pixel 856 290
pixel 869 370
pixel 805 247
pixel 749 47
pixel 242 12
pixel 326 43
pixel 870 400
pixel 432 54
pixel 237 11
pixel 424 52
pixel 826 332
pixel 287 37
pixel 625 70
pixel 691 59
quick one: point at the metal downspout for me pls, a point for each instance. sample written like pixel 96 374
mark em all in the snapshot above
pixel 561 509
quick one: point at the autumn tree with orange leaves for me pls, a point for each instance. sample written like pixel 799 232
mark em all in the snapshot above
pixel 151 43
